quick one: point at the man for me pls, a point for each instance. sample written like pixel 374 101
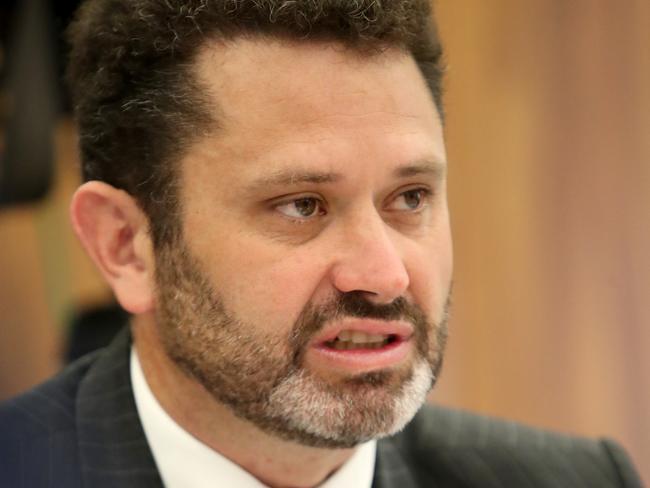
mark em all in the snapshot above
pixel 266 194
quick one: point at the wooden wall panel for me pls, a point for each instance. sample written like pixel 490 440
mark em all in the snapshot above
pixel 44 277
pixel 549 142
pixel 28 343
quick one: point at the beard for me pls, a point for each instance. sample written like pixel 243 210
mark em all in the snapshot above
pixel 262 377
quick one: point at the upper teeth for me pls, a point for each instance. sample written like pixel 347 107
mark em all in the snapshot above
pixel 360 337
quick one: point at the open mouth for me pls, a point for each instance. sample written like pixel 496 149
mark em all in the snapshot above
pixel 353 340
pixel 362 345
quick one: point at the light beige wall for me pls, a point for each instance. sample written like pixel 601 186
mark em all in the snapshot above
pixel 549 142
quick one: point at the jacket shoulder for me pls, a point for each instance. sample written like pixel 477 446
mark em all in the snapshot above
pixel 46 409
pixel 38 433
pixel 466 449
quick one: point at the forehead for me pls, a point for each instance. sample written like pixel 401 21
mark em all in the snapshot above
pixel 266 74
pixel 278 101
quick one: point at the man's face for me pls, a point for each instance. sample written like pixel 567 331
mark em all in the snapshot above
pixel 308 291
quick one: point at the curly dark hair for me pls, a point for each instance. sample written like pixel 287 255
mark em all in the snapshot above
pixel 138 106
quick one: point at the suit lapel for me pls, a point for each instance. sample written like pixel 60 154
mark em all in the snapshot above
pixel 391 470
pixel 113 449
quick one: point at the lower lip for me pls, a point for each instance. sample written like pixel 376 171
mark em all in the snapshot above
pixel 361 360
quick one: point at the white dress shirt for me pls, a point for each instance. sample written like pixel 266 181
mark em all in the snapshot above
pixel 185 462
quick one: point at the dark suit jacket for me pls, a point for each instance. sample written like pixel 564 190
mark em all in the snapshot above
pixel 82 429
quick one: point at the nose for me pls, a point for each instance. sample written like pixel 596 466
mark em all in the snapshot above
pixel 370 262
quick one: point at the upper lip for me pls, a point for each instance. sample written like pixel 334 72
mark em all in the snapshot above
pixel 399 329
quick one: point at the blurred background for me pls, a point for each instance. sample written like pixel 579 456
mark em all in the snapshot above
pixel 548 131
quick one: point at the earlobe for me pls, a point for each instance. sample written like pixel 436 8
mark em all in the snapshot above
pixel 113 231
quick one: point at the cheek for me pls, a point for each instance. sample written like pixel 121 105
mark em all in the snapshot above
pixel 431 269
pixel 264 286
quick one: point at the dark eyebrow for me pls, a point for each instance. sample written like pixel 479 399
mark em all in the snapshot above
pixel 433 167
pixel 294 177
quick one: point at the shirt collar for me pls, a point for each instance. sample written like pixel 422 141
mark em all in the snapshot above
pixel 185 462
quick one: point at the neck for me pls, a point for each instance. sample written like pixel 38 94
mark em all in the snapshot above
pixel 275 462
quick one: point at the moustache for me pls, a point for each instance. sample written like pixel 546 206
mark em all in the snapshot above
pixel 354 304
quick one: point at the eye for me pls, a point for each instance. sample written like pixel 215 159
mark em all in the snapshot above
pixel 302 208
pixel 411 200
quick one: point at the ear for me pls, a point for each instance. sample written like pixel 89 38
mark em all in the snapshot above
pixel 114 232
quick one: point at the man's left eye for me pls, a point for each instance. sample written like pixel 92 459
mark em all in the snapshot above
pixel 411 200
